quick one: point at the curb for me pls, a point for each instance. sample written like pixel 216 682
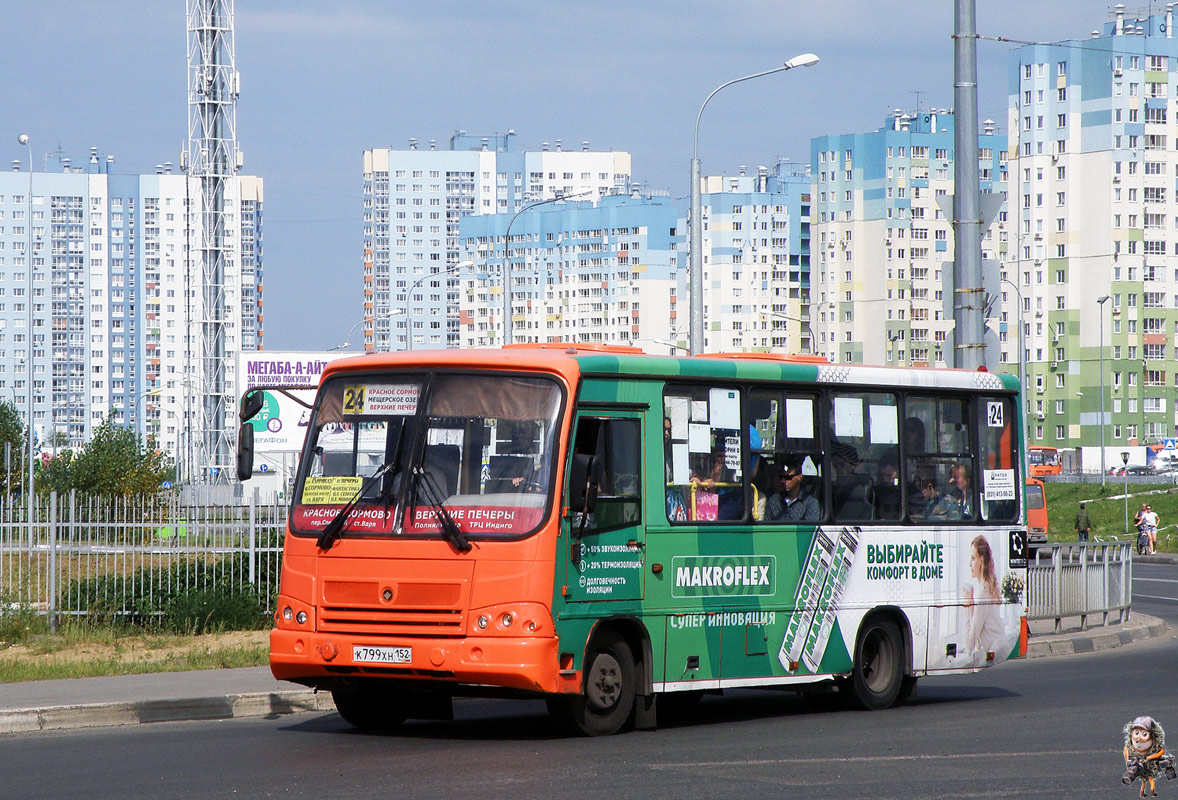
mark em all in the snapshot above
pixel 100 715
pixel 1092 641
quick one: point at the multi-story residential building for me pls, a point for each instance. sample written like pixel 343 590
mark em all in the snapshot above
pixel 885 246
pixel 116 297
pixel 604 272
pixel 616 271
pixel 413 202
pixel 1093 164
pixel 756 260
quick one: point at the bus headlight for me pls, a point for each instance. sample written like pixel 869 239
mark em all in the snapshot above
pixel 482 622
pixel 301 618
pixel 506 620
pixel 287 613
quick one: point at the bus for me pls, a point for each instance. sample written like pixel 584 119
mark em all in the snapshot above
pixel 611 531
pixel 1037 527
pixel 1043 460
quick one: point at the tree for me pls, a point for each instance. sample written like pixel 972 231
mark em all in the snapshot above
pixel 12 433
pixel 116 462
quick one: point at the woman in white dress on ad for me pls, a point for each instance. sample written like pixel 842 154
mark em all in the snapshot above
pixel 984 631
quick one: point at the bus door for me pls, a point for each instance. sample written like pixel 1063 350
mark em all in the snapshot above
pixel 602 505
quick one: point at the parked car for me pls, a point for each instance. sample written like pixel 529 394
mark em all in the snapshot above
pixel 1140 469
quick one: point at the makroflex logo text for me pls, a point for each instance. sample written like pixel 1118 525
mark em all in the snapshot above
pixel 728 576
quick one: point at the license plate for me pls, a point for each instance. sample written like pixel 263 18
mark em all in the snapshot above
pixel 381 655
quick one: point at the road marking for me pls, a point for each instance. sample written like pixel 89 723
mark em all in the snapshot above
pixel 1154 580
pixel 1156 597
pixel 826 758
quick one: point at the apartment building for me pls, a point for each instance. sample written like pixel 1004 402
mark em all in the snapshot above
pixel 883 243
pixel 116 297
pixel 1093 163
pixel 414 200
pixel 616 271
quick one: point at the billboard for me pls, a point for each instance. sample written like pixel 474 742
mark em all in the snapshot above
pixel 282 422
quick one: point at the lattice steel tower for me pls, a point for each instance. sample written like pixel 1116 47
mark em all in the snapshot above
pixel 213 161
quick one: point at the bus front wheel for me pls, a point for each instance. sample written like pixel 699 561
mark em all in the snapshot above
pixel 607 694
pixel 371 709
pixel 878 673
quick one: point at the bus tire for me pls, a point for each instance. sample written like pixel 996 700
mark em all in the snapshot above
pixel 372 709
pixel 606 700
pixel 878 672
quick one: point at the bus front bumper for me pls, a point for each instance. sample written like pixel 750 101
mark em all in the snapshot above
pixel 524 663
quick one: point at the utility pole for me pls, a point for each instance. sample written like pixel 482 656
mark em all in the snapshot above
pixel 969 297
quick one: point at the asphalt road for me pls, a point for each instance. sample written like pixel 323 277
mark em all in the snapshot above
pixel 1025 729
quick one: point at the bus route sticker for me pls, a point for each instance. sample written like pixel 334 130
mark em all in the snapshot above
pixel 994 415
pixel 330 490
pixel 396 399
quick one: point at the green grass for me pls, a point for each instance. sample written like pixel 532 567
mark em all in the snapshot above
pixel 80 650
pixel 1106 507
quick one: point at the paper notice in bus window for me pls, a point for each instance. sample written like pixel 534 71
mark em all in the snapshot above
pixel 699 411
pixel 680 466
pixel 397 400
pixel 724 408
pixel 884 426
pixel 848 417
pixel 999 484
pixel 799 418
pixel 699 439
pixel 330 490
pixel 678 409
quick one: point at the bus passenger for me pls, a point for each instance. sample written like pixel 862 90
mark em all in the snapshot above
pixel 935 504
pixel 791 504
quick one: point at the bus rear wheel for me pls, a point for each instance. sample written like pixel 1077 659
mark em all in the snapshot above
pixel 372 709
pixel 878 672
pixel 607 693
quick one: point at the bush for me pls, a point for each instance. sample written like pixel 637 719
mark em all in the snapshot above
pixel 210 610
pixel 191 595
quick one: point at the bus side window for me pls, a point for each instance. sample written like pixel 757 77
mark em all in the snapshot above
pixel 998 448
pixel 615 445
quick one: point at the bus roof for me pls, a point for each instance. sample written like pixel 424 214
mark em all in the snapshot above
pixel 571 360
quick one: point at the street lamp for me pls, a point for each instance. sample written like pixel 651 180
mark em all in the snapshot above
pixel 1022 377
pixel 507 255
pixel 24 139
pixel 348 339
pixel 405 310
pixel 697 263
pixel 1100 301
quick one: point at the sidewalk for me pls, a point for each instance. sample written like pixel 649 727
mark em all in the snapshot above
pixel 224 694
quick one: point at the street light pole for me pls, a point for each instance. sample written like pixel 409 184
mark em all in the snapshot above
pixel 405 309
pixel 1100 301
pixel 507 333
pixel 348 339
pixel 696 246
pixel 1022 377
pixel 24 139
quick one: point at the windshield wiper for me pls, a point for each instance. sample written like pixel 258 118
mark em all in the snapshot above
pixel 432 496
pixel 335 528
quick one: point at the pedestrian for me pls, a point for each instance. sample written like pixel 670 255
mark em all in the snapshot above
pixel 1149 521
pixel 1083 524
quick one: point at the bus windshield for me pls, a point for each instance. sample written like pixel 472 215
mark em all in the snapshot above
pixel 412 453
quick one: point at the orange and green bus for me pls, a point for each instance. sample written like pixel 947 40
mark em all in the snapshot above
pixel 610 530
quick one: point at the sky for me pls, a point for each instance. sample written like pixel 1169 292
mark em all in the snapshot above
pixel 323 80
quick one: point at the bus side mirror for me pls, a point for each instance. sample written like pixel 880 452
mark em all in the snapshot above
pixel 584 480
pixel 251 404
pixel 245 451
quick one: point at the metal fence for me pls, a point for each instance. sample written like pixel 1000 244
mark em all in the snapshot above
pixel 1080 580
pixel 82 555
